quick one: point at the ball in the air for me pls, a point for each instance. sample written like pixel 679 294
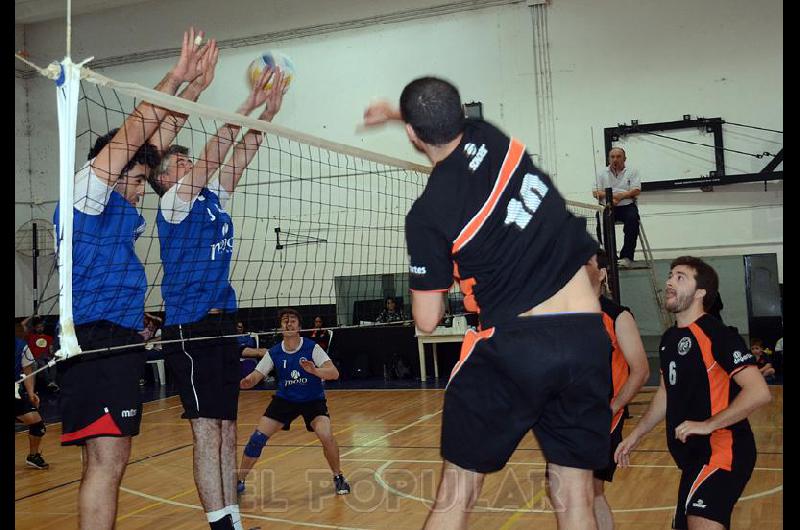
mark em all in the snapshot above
pixel 271 59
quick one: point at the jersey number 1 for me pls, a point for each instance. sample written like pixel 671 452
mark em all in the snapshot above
pixel 532 193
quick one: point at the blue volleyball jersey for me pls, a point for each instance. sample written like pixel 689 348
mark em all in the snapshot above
pixel 196 254
pixel 294 383
pixel 108 279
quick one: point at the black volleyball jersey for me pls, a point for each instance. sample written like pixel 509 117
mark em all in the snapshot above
pixel 698 363
pixel 493 221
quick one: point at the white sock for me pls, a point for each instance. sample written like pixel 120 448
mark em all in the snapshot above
pixel 233 509
pixel 216 515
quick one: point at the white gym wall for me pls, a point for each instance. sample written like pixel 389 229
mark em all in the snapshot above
pixel 606 63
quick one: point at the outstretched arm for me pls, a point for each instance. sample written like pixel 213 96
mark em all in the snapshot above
pixel 218 146
pixel 381 112
pixel 145 118
pixel 173 123
pixel 251 380
pixel 247 147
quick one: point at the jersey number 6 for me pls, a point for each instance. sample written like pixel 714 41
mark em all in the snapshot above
pixel 673 374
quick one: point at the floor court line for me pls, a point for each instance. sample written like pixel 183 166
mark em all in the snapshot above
pixel 160 500
pixel 427 502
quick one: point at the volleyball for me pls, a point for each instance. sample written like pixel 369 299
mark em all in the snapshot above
pixel 270 59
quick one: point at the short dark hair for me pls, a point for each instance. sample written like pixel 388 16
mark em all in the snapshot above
pixel 147 153
pixel 602 258
pixel 756 342
pixel 289 311
pixel 432 107
pixel 705 276
pixel 153 179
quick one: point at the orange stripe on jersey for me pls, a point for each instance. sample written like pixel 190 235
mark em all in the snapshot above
pixel 516 150
pixel 470 303
pixel 719 395
pixel 701 477
pixel 471 339
pixel 721 449
pixel 619 367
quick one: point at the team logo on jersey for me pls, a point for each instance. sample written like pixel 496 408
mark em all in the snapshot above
pixel 477 154
pixel 296 379
pixel 699 504
pixel 684 345
pixel 738 358
pixel 223 246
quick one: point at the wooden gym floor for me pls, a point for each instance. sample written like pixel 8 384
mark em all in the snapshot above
pixel 389 444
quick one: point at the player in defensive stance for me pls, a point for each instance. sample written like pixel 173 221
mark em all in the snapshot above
pixel 709 386
pixel 301 366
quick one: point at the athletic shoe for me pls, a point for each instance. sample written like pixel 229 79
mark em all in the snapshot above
pixel 239 487
pixel 36 461
pixel 341 485
pixel 625 263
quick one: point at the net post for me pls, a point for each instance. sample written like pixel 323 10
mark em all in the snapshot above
pixel 35 245
pixel 610 245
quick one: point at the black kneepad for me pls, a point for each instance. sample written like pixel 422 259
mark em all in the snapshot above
pixel 37 429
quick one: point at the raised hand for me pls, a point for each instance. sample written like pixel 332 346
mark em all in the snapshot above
pixel 274 95
pixel 209 64
pixel 192 60
pixel 379 113
pixel 257 95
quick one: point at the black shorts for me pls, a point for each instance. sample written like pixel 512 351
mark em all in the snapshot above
pixel 285 411
pixel 607 474
pixel 547 373
pixel 23 406
pixel 100 391
pixel 206 371
pixel 708 492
